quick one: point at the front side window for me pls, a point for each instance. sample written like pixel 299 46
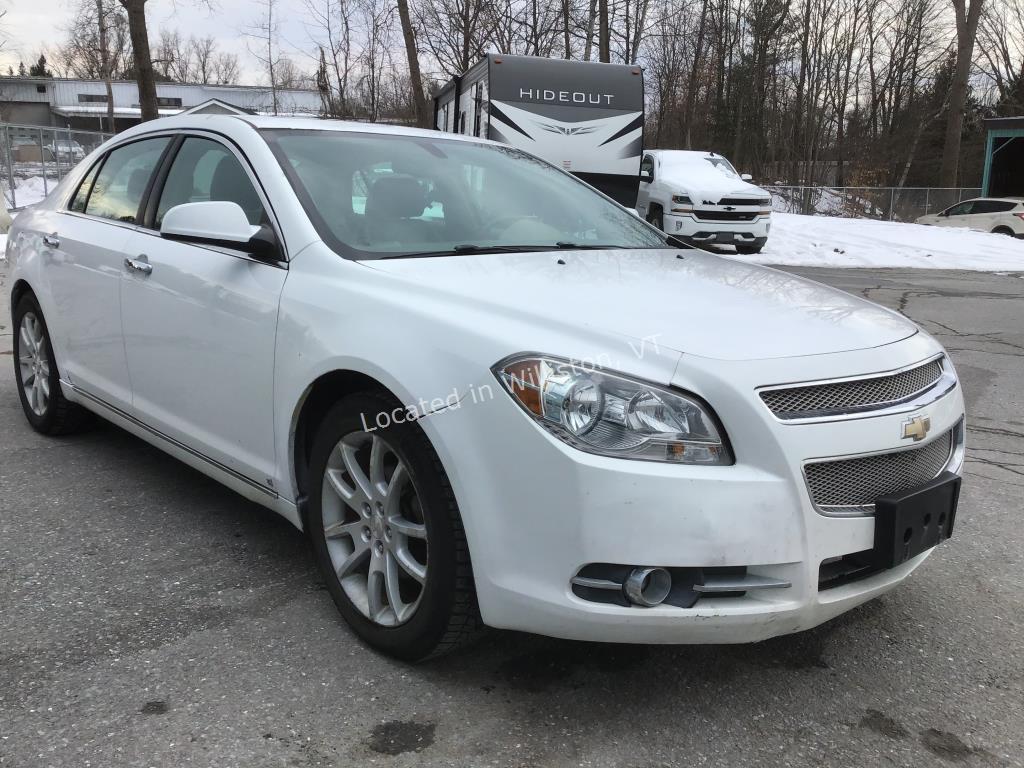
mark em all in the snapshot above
pixel 205 170
pixel 122 181
pixel 374 196
pixel 961 209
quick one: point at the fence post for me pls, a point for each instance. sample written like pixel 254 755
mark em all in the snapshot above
pixel 42 160
pixel 10 166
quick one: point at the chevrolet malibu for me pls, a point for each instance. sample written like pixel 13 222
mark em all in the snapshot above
pixel 489 394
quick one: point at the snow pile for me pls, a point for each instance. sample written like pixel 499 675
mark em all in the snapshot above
pixel 829 241
pixel 30 191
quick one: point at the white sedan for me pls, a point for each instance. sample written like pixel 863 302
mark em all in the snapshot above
pixel 490 395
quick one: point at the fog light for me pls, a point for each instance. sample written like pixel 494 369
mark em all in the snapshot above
pixel 647 586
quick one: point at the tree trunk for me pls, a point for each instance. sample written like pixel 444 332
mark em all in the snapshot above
pixel 418 98
pixel 105 63
pixel 565 29
pixel 604 43
pixel 591 19
pixel 144 74
pixel 966 34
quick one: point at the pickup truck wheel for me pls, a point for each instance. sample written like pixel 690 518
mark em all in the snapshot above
pixel 387 533
pixel 655 217
pixel 35 370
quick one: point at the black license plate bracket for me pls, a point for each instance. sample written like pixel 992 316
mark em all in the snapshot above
pixel 910 522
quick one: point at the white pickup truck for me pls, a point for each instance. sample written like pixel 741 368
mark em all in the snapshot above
pixel 700 198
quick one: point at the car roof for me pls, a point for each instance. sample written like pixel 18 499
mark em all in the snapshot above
pixel 234 124
pixel 683 153
pixel 995 199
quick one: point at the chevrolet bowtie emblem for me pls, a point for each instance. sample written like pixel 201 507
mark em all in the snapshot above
pixel 917 428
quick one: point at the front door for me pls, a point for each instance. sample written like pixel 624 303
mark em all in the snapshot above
pixel 200 323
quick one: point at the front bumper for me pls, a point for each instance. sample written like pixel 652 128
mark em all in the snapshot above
pixel 537 511
pixel 718 232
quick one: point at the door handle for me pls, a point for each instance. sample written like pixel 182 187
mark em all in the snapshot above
pixel 51 241
pixel 139 265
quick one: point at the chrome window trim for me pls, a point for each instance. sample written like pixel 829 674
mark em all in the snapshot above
pixel 954 463
pixel 938 389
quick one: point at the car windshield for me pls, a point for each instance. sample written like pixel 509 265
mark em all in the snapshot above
pixel 723 166
pixel 382 196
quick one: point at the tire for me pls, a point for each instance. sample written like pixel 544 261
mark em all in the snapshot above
pixel 1004 231
pixel 425 619
pixel 656 218
pixel 749 250
pixel 42 400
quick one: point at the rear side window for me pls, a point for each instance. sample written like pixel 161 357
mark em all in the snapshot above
pixel 994 206
pixel 205 170
pixel 121 182
pixel 82 195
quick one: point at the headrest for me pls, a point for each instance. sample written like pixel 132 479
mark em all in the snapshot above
pixel 396 197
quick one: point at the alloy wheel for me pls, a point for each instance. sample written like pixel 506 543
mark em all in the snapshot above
pixel 34 363
pixel 374 528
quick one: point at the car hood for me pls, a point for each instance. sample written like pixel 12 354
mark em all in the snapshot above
pixel 688 300
pixel 711 186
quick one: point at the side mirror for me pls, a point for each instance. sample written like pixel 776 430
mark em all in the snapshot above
pixel 646 175
pixel 219 222
pixel 746 176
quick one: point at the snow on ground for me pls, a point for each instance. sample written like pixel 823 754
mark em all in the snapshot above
pixel 30 191
pixel 831 241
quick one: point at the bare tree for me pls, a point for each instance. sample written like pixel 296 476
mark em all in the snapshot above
pixel 967 19
pixel 143 61
pixel 264 36
pixel 413 60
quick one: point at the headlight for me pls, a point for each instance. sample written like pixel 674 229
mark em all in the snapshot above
pixel 612 415
pixel 682 199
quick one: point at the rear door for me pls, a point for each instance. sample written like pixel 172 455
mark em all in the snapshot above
pixel 85 261
pixel 200 326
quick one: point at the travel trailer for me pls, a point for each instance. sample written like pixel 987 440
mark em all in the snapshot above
pixel 583 116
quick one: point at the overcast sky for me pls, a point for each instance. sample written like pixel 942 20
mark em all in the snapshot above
pixel 31 25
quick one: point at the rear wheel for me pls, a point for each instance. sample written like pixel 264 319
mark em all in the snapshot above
pixel 35 370
pixel 387 532
pixel 1004 231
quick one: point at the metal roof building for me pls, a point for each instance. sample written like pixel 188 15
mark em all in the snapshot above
pixel 82 104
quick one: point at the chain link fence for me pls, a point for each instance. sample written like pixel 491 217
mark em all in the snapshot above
pixel 33 160
pixel 885 203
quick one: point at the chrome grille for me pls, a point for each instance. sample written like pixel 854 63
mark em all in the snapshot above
pixel 852 485
pixel 854 395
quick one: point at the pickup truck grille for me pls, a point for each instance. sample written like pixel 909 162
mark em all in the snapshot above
pixel 725 215
pixel 850 486
pixel 840 397
pixel 740 201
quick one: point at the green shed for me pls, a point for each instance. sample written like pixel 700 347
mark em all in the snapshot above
pixel 1004 157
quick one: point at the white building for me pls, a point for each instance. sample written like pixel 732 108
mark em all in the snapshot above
pixel 82 104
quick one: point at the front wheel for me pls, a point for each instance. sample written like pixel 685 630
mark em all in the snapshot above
pixel 656 218
pixel 387 533
pixel 749 250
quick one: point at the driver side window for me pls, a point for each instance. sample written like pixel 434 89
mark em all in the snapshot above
pixel 205 170
pixel 961 209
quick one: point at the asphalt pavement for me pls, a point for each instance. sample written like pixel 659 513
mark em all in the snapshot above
pixel 150 617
